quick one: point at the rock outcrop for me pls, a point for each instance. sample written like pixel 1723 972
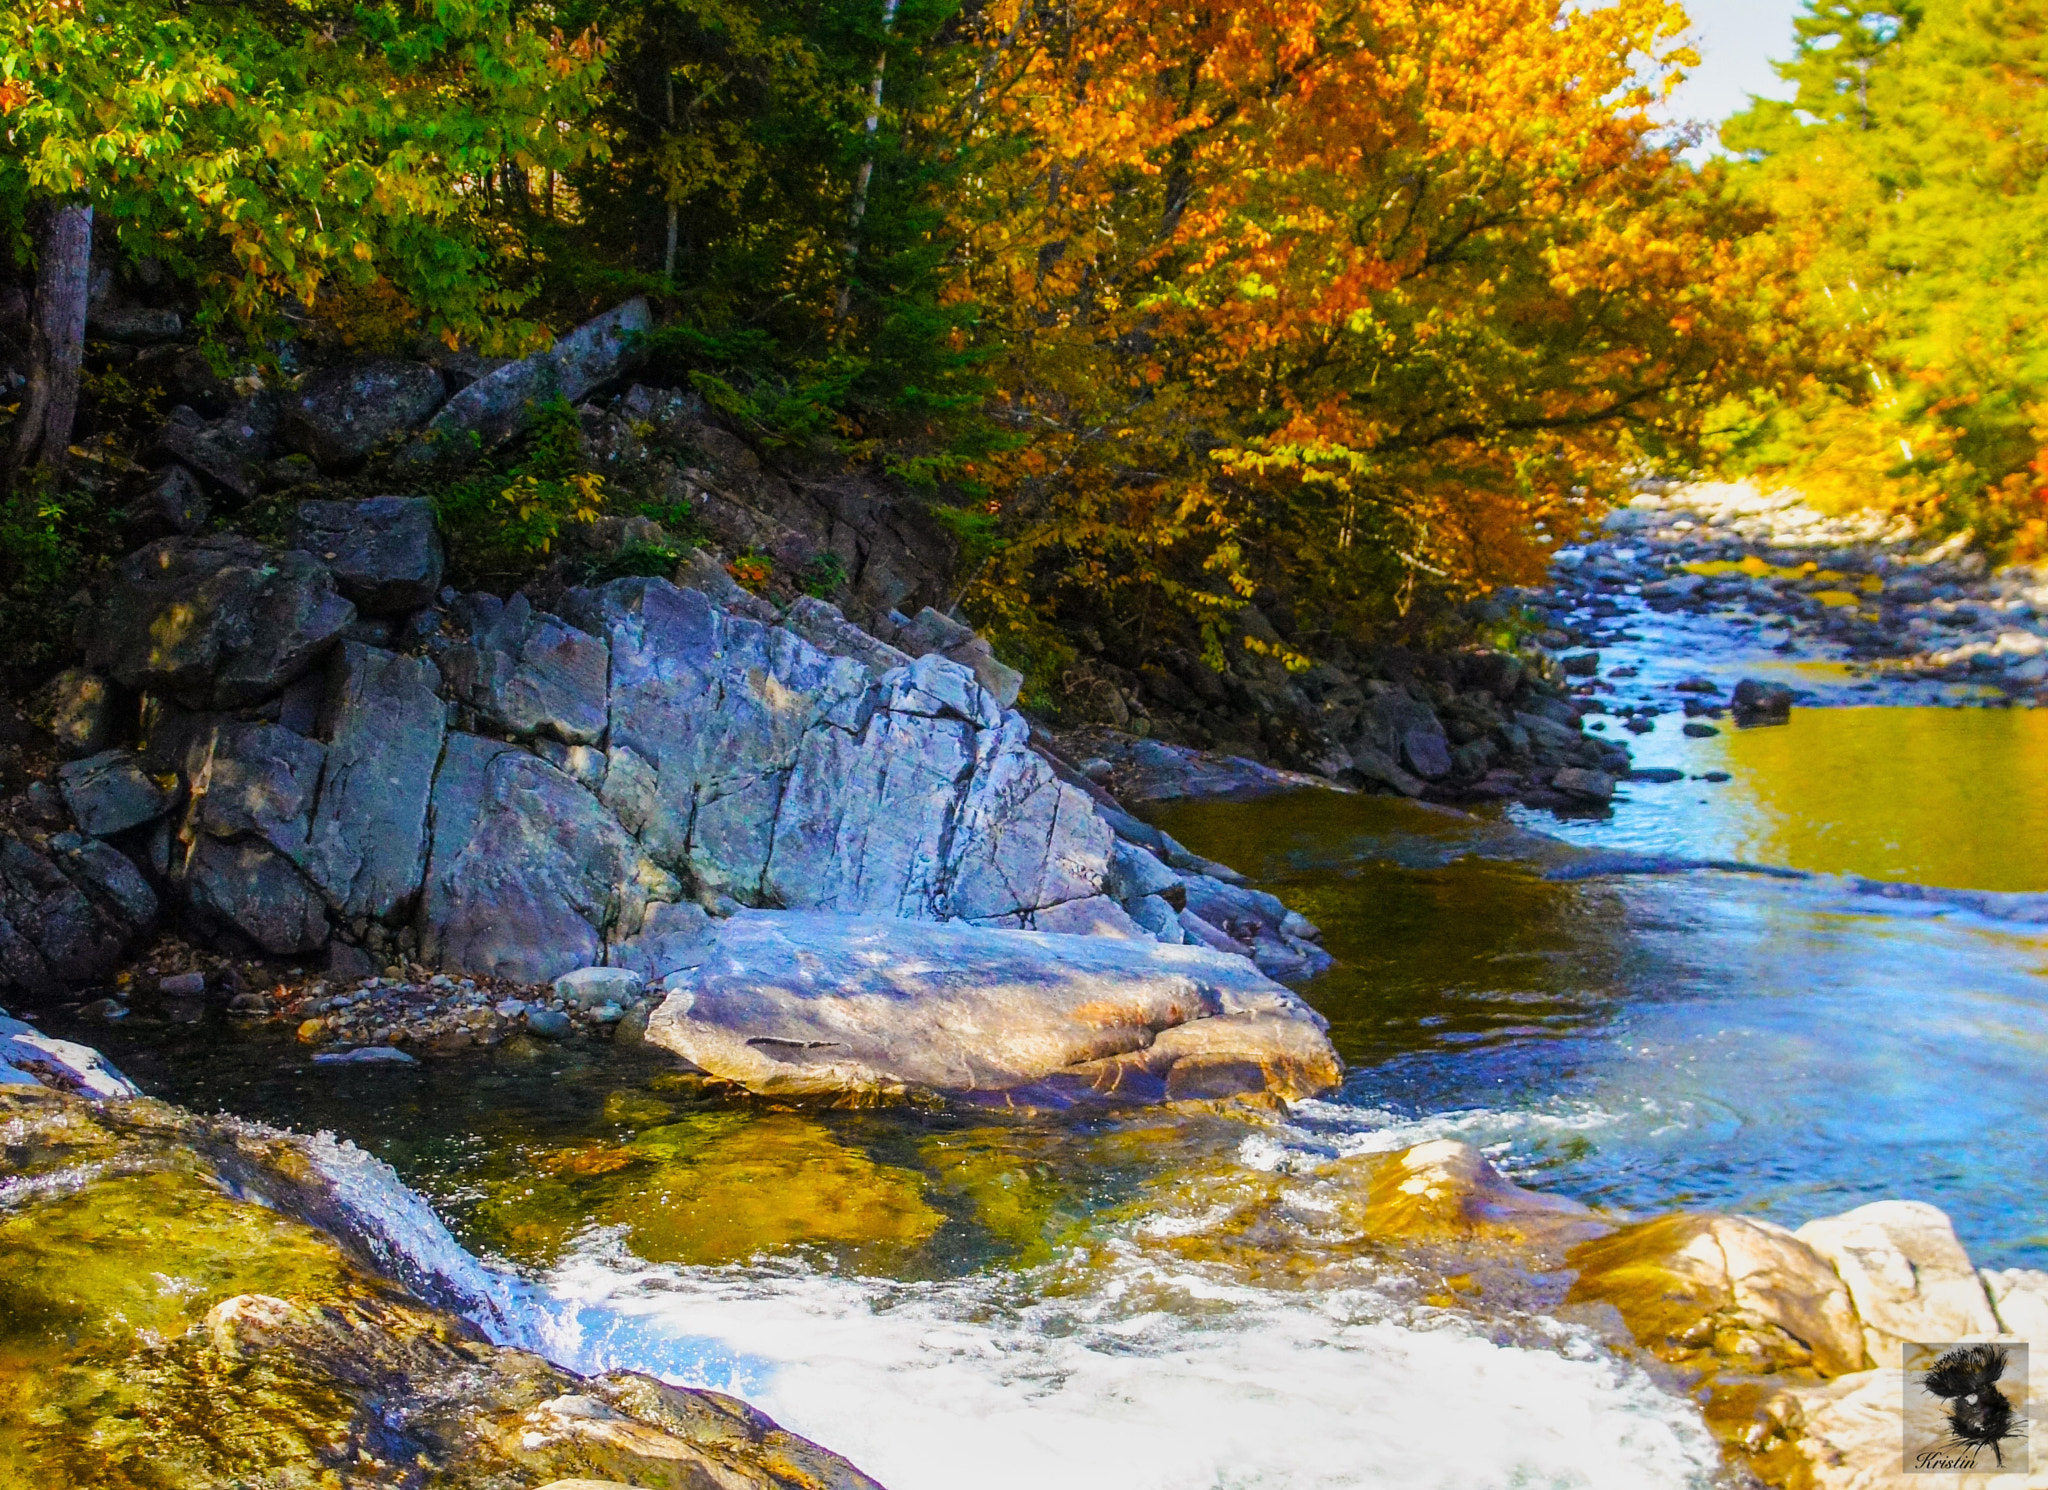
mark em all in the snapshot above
pixel 522 793
pixel 859 1007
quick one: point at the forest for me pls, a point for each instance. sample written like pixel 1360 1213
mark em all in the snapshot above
pixel 1153 308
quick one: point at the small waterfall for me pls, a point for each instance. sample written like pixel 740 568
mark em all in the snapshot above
pixel 1132 1375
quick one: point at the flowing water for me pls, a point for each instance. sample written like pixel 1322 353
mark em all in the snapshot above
pixel 1185 1301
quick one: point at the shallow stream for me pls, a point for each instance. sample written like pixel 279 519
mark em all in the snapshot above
pixel 1180 1302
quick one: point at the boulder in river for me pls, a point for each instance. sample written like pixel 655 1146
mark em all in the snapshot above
pixel 1723 1292
pixel 1907 1272
pixel 1446 1191
pixel 1758 702
pixel 807 1004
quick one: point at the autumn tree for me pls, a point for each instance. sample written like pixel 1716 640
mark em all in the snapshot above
pixel 1337 296
pixel 1921 212
pixel 271 154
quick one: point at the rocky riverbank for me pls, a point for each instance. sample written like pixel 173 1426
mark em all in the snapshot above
pixel 325 1315
pixel 195 1302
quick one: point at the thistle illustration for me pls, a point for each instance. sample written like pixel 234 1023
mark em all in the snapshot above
pixel 1979 1416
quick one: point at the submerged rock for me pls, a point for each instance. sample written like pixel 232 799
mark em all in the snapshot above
pixel 805 1004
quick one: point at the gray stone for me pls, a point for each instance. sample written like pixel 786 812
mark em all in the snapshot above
pixel 367 846
pixel 217 622
pixel 171 503
pixel 1156 914
pixel 821 624
pixel 501 403
pixel 243 778
pixel 1097 915
pixel 549 1024
pixel 56 927
pixel 674 935
pixel 28 1057
pixel 1426 750
pixel 182 984
pixel 702 572
pixel 1374 765
pixel 1759 702
pixel 385 552
pixel 212 451
pixel 77 709
pixel 1134 874
pixel 257 890
pixel 708 714
pixel 109 879
pixel 525 672
pixel 110 793
pixel 1584 785
pixel 930 633
pixel 588 987
pixel 340 415
pixel 365 1055
pixel 798 1003
pixel 527 875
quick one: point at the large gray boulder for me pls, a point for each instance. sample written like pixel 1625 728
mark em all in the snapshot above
pixel 385 551
pixel 110 793
pixel 340 415
pixel 242 840
pixel 500 404
pixel 754 765
pixel 806 1004
pixel 216 622
pixel 367 844
pixel 526 673
pixel 527 875
pixel 66 916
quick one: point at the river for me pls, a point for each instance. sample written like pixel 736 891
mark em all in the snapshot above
pixel 1177 1301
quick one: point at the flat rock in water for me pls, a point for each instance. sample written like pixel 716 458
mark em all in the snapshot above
pixel 808 1004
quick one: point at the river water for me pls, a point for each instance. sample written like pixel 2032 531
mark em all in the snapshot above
pixel 1180 1302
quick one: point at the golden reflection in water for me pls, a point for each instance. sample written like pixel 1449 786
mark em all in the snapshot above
pixel 1951 797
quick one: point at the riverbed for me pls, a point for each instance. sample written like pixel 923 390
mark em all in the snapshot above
pixel 1818 980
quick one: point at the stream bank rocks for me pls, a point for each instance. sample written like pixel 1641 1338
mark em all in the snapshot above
pixel 198 1302
pixel 497 791
pixel 813 1005
pixel 1789 1340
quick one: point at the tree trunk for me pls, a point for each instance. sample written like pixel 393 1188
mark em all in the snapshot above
pixel 42 430
pixel 867 166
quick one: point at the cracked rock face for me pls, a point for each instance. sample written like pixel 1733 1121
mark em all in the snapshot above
pixel 820 1004
pixel 532 793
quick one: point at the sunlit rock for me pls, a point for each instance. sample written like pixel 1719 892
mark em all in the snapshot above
pixel 805 1003
pixel 1908 1274
pixel 1723 1291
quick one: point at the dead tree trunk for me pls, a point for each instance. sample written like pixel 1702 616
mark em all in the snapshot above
pixel 42 430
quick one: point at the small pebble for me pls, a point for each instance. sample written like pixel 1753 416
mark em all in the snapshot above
pixel 182 984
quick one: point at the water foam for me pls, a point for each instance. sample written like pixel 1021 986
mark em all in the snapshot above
pixel 1149 1379
pixel 1134 1372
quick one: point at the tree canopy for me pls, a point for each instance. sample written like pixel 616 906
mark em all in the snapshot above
pixel 1911 172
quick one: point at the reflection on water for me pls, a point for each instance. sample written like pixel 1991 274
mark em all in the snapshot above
pixel 1952 797
pixel 1708 1040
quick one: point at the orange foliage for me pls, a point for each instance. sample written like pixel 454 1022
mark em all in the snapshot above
pixel 1334 295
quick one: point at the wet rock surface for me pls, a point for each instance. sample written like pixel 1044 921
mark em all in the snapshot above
pixel 846 1007
pixel 199 1302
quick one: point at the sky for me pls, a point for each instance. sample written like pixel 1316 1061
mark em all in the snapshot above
pixel 1737 41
